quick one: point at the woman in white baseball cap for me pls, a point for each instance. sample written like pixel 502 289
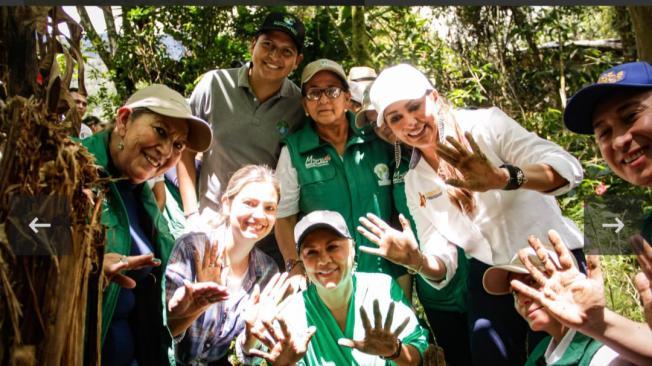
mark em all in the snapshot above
pixel 479 181
pixel 151 130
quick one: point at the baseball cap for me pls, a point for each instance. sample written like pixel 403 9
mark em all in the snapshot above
pixel 578 116
pixel 360 77
pixel 400 82
pixel 495 281
pixel 361 119
pixel 323 64
pixel 362 74
pixel 322 219
pixel 286 23
pixel 160 99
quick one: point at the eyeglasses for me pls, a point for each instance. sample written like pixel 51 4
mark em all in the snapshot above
pixel 315 94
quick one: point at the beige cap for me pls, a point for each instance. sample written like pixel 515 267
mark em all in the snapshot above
pixel 495 281
pixel 323 64
pixel 160 99
pixel 400 82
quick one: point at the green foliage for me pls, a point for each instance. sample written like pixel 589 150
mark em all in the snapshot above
pixel 525 60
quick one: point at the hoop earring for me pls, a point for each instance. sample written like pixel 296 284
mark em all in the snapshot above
pixel 397 154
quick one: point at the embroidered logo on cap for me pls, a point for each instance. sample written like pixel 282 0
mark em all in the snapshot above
pixel 611 77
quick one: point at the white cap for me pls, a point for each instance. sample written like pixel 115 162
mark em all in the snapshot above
pixel 160 99
pixel 495 281
pixel 400 82
pixel 362 73
pixel 320 219
pixel 357 91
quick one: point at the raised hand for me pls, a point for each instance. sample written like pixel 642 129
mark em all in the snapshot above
pixel 570 296
pixel 479 173
pixel 284 346
pixel 209 267
pixel 263 306
pixel 396 246
pixel 643 279
pixel 379 340
pixel 194 298
pixel 115 263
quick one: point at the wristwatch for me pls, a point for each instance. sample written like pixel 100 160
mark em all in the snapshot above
pixel 516 177
pixel 290 264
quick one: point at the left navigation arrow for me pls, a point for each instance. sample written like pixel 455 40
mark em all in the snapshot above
pixel 34 225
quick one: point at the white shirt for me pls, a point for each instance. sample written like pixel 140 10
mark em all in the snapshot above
pixel 290 190
pixel 503 219
pixel 605 356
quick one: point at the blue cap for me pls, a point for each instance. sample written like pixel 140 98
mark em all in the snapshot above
pixel 578 116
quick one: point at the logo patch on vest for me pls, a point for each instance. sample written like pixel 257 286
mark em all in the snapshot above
pixel 313 162
pixel 382 172
pixel 282 127
pixel 399 177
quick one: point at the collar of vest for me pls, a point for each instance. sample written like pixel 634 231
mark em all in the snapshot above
pixel 308 139
pixel 98 145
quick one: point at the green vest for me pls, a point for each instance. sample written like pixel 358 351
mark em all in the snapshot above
pixel 357 183
pixel 579 353
pixel 454 296
pixel 154 338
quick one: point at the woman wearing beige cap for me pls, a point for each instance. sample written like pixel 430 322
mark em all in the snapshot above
pixel 478 181
pixel 330 164
pixel 151 130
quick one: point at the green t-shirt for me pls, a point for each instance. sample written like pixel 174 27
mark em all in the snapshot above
pixel 306 309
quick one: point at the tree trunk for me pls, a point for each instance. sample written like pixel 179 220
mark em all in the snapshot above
pixel 642 21
pixel 359 37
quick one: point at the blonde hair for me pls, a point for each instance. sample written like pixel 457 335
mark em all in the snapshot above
pixel 460 197
pixel 243 176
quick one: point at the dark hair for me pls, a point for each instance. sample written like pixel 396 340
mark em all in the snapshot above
pixel 76 90
pixel 91 120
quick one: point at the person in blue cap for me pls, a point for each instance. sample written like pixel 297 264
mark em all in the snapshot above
pixel 617 109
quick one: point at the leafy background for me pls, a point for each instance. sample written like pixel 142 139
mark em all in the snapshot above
pixel 525 60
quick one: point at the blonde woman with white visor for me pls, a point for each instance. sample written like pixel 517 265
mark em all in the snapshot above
pixel 479 181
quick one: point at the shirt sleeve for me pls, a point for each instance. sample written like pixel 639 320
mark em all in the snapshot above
pixel 431 242
pixel 290 190
pixel 517 146
pixel 180 267
pixel 200 98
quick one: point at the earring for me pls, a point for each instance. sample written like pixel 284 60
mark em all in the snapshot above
pixel 397 154
pixel 440 126
pixel 121 146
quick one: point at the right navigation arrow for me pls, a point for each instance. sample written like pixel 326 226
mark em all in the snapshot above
pixel 618 225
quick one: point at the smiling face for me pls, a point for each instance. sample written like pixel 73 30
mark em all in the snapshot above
pixel 413 121
pixel 152 143
pixel 623 130
pixel 274 56
pixel 328 258
pixel 252 212
pixel 326 111
pixel 531 310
